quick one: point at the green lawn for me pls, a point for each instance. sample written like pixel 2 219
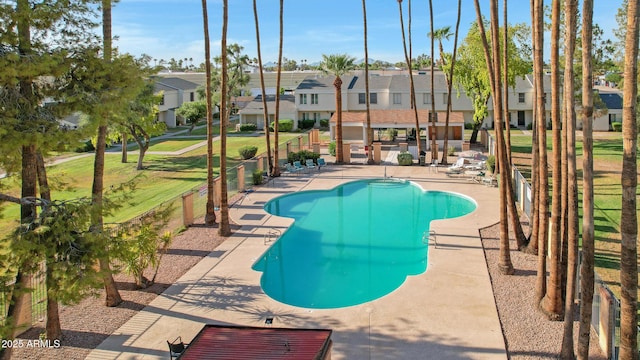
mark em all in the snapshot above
pixel 164 177
pixel 607 152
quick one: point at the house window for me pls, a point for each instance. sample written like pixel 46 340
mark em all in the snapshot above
pixel 373 98
pixel 314 99
pixel 192 96
pixel 397 98
pixel 521 98
pixel 316 116
pixel 432 116
pixel 305 116
pixel 303 98
pixel 426 98
pixel 162 100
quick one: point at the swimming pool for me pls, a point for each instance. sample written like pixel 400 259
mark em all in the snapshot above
pixel 354 243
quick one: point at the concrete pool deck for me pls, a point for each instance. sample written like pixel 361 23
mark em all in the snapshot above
pixel 448 312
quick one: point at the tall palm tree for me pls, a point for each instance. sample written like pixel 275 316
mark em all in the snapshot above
pixel 412 91
pixel 276 165
pixel 440 34
pixel 532 246
pixel 366 86
pixel 210 215
pixel 433 132
pixel 571 14
pixel 588 240
pixel 265 111
pixel 629 181
pixel 552 302
pixel 224 228
pixel 338 65
pixel 494 69
pixel 113 297
pixel 543 173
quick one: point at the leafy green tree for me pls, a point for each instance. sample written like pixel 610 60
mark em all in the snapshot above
pixel 192 112
pixel 139 121
pixel 471 76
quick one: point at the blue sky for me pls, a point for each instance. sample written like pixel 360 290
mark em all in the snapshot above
pixel 173 28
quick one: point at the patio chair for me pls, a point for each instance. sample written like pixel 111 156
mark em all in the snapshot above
pixel 298 166
pixel 490 180
pixel 321 163
pixel 290 169
pixel 176 347
pixel 310 165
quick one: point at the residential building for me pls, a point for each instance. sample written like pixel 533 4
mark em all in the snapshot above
pixel 175 91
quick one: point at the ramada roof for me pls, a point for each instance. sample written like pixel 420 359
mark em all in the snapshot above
pixel 395 118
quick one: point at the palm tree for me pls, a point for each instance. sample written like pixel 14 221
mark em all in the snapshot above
pixel 432 132
pixel 210 215
pixel 571 14
pixel 552 302
pixel 113 297
pixel 224 229
pixel 629 181
pixel 439 34
pixel 276 160
pixel 366 86
pixel 338 65
pixel 543 173
pixel 494 70
pixel 412 91
pixel 265 111
pixel 588 240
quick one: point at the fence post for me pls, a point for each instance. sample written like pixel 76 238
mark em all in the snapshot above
pixel 288 149
pixel 377 147
pixel 261 163
pixel 346 153
pixel 187 209
pixel 300 143
pixel 605 333
pixel 241 178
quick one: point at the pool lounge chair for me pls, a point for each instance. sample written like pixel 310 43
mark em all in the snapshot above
pixel 456 168
pixel 289 169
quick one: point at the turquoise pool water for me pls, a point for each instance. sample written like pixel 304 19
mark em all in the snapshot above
pixel 354 243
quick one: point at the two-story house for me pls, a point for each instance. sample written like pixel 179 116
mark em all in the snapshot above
pixel 175 91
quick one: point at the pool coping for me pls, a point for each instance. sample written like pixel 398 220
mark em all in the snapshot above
pixel 447 312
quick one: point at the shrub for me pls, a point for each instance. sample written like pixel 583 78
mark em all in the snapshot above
pixel 284 125
pixel 85 147
pixel 530 126
pixel 491 163
pixel 392 133
pixel 332 148
pixel 247 152
pixel 257 177
pixel 306 124
pixel 405 159
pixel 617 126
pixel 451 151
pixel 324 123
pixel 248 127
pixel 302 156
pixel 468 126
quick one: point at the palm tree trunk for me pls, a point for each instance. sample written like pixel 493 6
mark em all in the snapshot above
pixel 412 92
pixel 450 85
pixel 532 246
pixel 505 55
pixel 493 68
pixel 210 215
pixel 629 181
pixel 265 111
pixel 113 297
pixel 276 160
pixel 433 134
pixel 366 86
pixel 588 241
pixel 543 172
pixel 337 83
pixel 571 13
pixel 224 228
pixel 552 302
